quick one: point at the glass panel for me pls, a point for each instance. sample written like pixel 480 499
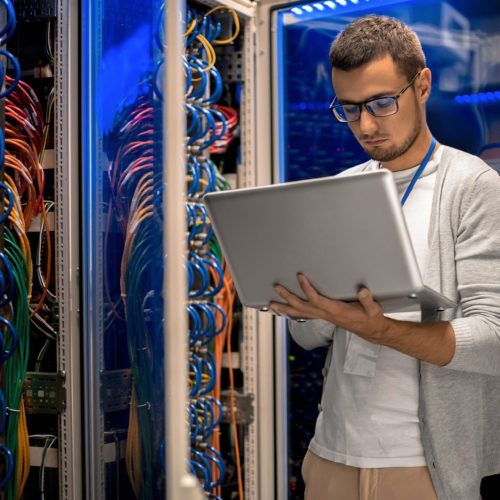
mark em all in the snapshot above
pixel 460 40
pixel 123 254
pixel 123 248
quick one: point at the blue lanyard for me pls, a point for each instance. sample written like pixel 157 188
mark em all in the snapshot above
pixel 419 171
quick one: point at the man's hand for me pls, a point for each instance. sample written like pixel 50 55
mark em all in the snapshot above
pixel 430 342
pixel 365 318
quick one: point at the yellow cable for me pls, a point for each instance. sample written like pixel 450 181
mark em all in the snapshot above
pixel 211 56
pixel 209 50
pixel 23 452
pixel 236 25
pixel 133 449
pixel 143 188
pixel 190 28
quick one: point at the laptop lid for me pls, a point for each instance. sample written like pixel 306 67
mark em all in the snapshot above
pixel 341 232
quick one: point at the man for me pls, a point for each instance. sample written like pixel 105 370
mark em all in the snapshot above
pixel 411 404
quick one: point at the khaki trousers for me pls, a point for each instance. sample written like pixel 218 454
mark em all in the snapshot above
pixel 326 480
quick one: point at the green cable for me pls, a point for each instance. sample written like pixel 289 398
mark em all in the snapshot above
pixel 16 366
pixel 222 185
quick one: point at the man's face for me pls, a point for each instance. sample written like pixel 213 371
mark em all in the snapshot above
pixel 389 137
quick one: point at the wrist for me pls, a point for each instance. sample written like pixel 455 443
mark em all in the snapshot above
pixel 387 331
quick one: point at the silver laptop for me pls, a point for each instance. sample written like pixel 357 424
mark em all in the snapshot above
pixel 341 232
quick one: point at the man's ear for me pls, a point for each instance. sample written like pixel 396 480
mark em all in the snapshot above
pixel 423 86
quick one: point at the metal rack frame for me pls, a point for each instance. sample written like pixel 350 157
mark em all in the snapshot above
pixel 257 347
pixel 68 245
pixel 272 331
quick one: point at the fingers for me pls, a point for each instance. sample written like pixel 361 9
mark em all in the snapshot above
pixel 296 307
pixel 313 300
pixel 289 297
pixel 310 292
pixel 289 312
pixel 366 299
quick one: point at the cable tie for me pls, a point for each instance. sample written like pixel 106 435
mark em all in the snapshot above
pixel 11 410
pixel 147 405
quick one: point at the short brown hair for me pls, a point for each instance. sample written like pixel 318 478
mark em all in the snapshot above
pixel 372 37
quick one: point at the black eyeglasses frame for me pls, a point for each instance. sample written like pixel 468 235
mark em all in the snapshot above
pixel 365 103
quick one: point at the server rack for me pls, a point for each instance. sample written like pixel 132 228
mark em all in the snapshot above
pixel 46 42
pixel 264 348
pixel 258 433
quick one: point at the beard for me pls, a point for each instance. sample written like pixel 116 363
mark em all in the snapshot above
pixel 379 154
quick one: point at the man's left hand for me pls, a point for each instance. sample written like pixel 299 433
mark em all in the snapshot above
pixel 364 318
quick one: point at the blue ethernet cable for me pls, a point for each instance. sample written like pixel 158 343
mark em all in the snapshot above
pixel 205 423
pixel 194 124
pixel 198 265
pixel 5 355
pixel 209 418
pixel 7 290
pixel 219 462
pixel 10 197
pixel 217 92
pixel 211 261
pixel 203 468
pixel 194 170
pixel 219 309
pixel 214 401
pixel 17 73
pixel 210 365
pixel 9 466
pixel 200 457
pixel 208 165
pixel 193 422
pixel 7 31
pixel 223 120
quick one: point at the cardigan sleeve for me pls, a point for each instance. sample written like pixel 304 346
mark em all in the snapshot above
pixel 312 333
pixel 477 260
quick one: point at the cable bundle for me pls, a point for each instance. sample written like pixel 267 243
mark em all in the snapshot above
pixel 133 239
pixel 19 150
pixel 25 140
pixel 211 295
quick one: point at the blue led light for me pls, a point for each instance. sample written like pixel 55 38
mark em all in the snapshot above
pixel 479 98
pixel 317 9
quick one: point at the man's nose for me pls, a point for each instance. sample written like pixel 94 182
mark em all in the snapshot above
pixel 367 122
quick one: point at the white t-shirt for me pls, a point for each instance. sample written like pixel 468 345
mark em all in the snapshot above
pixel 370 418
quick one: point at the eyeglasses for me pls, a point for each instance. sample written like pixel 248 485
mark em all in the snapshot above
pixel 381 106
